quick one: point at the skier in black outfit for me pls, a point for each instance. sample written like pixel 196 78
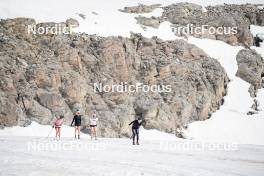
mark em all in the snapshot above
pixel 77 119
pixel 135 131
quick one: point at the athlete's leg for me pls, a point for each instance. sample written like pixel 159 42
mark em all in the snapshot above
pixel 79 129
pixel 56 130
pixel 95 132
pixel 59 132
pixel 137 134
pixel 92 132
pixel 75 131
pixel 133 135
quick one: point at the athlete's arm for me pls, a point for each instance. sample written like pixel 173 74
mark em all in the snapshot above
pixel 131 122
pixel 73 120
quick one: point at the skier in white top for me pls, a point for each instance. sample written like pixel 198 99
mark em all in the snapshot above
pixel 93 125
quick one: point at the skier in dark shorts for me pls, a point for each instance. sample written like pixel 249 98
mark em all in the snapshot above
pixel 77 119
pixel 93 125
pixel 135 130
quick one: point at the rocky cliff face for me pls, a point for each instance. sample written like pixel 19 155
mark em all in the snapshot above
pixel 42 75
pixel 227 15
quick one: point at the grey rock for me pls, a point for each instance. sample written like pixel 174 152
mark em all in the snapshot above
pixel 238 17
pixel 141 8
pixel 46 75
pixel 251 112
pixel 72 22
pixel 81 15
pixel 250 67
pixel 252 91
pixel 152 22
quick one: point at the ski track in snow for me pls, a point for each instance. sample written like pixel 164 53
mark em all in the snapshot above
pixel 118 157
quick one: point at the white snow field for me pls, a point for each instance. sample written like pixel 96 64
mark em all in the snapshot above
pixel 29 156
pixel 230 143
pixel 26 151
pixel 36 129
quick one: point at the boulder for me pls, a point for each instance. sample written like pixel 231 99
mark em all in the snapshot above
pixel 250 67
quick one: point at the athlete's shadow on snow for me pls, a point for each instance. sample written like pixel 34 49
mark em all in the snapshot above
pixel 86 130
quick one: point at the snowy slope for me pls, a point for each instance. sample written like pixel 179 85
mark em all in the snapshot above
pixel 230 123
pixel 159 153
pixel 37 130
pixel 109 20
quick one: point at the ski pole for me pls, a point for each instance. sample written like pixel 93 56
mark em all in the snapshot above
pixel 52 126
pixel 50 132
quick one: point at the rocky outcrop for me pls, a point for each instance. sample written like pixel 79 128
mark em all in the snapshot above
pixel 152 22
pixel 250 67
pixel 235 18
pixel 43 75
pixel 141 8
pixel 72 22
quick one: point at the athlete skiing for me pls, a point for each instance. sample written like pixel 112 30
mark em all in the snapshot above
pixel 93 125
pixel 57 124
pixel 77 120
pixel 135 130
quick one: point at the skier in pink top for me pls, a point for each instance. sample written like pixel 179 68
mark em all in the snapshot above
pixel 57 125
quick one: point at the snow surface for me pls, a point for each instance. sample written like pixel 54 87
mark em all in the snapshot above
pixel 35 129
pixel 109 20
pixel 228 126
pixel 27 156
pixel 46 131
pixel 230 123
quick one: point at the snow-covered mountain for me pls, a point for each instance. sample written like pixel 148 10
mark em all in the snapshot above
pixel 225 124
pixel 228 125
